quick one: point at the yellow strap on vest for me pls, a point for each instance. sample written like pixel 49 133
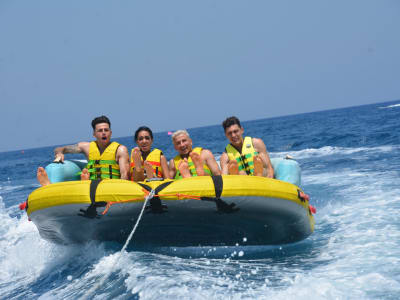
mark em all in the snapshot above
pixel 101 166
pixel 245 157
pixel 192 168
pixel 154 158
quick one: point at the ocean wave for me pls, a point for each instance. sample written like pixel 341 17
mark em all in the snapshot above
pixel 330 150
pixel 390 106
pixel 18 188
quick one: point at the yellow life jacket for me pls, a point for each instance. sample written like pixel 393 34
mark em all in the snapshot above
pixel 245 157
pixel 102 166
pixel 192 168
pixel 154 158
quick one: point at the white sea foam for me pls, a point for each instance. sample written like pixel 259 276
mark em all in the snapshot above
pixel 11 188
pixel 22 253
pixel 365 235
pixel 353 254
pixel 25 257
pixel 390 106
pixel 329 150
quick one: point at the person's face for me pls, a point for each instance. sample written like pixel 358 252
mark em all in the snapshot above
pixel 183 144
pixel 144 141
pixel 102 133
pixel 234 134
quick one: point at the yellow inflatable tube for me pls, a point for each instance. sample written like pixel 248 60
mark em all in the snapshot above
pixel 218 210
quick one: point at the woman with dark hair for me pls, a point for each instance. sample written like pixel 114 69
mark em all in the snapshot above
pixel 147 162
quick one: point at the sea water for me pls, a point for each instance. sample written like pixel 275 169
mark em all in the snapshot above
pixel 350 160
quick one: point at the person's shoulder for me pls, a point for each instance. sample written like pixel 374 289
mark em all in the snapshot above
pixel 259 145
pixel 257 141
pixel 122 149
pixel 83 145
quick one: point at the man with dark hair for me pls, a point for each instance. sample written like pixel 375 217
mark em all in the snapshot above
pixel 245 156
pixel 106 159
pixel 101 119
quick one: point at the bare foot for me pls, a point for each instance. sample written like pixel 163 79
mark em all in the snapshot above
pixel 42 176
pixel 198 163
pixel 137 157
pixel 85 174
pixel 149 170
pixel 233 167
pixel 183 168
pixel 258 166
pixel 138 171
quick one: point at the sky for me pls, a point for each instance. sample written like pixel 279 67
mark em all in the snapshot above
pixel 181 64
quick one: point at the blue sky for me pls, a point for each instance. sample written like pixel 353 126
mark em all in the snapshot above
pixel 181 64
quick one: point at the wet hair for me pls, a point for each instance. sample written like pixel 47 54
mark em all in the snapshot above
pixel 231 121
pixel 179 132
pixel 101 119
pixel 143 128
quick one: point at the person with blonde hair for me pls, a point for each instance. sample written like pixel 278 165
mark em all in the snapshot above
pixel 191 161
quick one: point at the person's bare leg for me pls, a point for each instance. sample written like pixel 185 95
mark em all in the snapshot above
pixel 85 174
pixel 233 167
pixel 198 163
pixel 149 170
pixel 42 176
pixel 183 168
pixel 258 166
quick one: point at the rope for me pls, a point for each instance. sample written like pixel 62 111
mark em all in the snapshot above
pixel 101 282
pixel 179 196
pixel 124 201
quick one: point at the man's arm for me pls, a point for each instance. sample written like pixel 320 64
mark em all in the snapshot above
pixel 224 163
pixel 122 158
pixel 260 147
pixel 210 161
pixel 82 147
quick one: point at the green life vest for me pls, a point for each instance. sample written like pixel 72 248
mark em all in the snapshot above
pixel 192 168
pixel 102 166
pixel 245 157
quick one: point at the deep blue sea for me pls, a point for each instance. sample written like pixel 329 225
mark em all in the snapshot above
pixel 350 160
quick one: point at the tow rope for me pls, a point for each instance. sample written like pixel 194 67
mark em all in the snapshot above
pixel 101 282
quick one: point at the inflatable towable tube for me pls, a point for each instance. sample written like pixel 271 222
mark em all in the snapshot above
pixel 286 169
pixel 207 210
